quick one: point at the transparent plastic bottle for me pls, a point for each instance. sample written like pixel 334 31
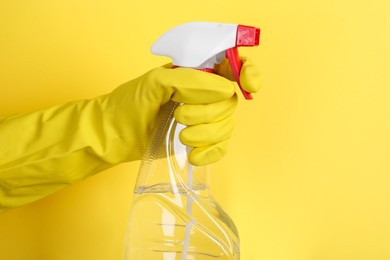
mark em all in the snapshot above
pixel 173 215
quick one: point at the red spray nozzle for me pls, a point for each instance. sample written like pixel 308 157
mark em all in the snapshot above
pixel 247 36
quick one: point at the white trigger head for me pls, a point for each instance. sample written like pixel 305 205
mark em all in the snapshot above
pixel 196 44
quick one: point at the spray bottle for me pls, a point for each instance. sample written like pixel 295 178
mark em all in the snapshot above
pixel 173 215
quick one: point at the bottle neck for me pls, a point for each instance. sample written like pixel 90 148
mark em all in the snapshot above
pixel 165 166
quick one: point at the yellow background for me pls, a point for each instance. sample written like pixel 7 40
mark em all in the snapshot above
pixel 307 174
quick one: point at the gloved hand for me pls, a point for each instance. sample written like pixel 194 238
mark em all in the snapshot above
pixel 208 101
pixel 47 150
pixel 210 124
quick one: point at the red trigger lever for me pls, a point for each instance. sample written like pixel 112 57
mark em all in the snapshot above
pixel 246 36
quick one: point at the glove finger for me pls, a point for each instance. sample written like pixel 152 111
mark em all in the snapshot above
pixel 209 154
pixel 207 134
pixel 250 77
pixel 206 113
pixel 193 86
pixel 224 70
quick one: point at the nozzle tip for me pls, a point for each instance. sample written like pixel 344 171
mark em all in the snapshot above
pixel 247 36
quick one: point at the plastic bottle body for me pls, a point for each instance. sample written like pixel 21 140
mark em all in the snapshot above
pixel 162 228
pixel 173 215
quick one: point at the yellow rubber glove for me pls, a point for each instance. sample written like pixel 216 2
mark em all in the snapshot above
pixel 44 151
